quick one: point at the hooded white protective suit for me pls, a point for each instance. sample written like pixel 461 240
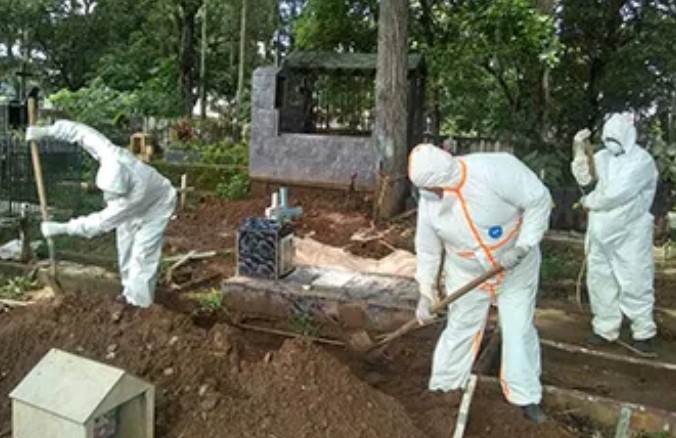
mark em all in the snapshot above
pixel 492 203
pixel 620 232
pixel 139 204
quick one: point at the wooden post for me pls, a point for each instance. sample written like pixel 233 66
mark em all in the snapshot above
pixel 184 188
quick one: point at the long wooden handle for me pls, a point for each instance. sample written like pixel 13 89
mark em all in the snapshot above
pixel 39 182
pixel 413 323
pixel 35 155
pixel 590 160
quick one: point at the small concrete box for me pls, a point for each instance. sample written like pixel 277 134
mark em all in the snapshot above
pixel 66 395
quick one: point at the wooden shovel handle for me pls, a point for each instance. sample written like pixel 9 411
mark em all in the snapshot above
pixel 590 160
pixel 441 305
pixel 413 323
pixel 39 182
pixel 35 155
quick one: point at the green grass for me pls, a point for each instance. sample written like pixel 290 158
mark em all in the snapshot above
pixel 15 288
pixel 211 301
pixel 304 324
pixel 560 263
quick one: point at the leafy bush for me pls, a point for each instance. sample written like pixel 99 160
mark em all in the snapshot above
pixel 234 187
pixel 99 106
pixel 218 153
pixel 14 288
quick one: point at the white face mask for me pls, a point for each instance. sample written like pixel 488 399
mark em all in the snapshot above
pixel 613 146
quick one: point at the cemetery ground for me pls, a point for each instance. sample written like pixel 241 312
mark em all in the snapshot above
pixel 217 377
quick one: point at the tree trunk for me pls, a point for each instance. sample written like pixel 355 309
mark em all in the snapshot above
pixel 188 13
pixel 242 61
pixel 203 64
pixel 390 130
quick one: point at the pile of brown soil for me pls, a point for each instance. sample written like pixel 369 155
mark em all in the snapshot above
pixel 208 382
pixel 315 395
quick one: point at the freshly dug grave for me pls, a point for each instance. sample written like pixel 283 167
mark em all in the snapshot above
pixel 206 388
pixel 405 377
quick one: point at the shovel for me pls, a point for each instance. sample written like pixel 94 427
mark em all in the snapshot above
pixel 40 186
pixel 361 342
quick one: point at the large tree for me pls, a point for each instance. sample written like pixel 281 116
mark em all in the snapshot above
pixel 390 130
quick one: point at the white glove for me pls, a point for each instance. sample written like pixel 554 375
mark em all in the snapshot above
pixel 580 169
pixel 36 133
pixel 423 312
pixel 582 135
pixel 50 228
pixel 512 257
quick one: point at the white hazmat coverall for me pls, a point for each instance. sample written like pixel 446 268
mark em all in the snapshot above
pixel 492 204
pixel 620 232
pixel 139 204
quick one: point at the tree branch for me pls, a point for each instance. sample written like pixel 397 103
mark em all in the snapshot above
pixel 501 81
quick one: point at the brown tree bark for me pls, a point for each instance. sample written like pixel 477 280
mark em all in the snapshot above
pixel 390 130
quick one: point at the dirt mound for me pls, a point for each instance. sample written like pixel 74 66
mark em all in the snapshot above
pixel 205 388
pixel 319 396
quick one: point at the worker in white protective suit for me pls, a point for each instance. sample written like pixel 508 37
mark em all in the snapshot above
pixel 482 210
pixel 139 204
pixel 619 233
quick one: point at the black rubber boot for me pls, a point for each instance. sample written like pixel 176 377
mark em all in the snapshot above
pixel 534 413
pixel 645 345
pixel 595 340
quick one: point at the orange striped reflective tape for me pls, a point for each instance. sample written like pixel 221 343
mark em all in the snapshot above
pixel 476 342
pixel 471 224
pixel 503 382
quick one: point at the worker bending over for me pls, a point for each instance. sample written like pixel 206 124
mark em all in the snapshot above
pixel 139 204
pixel 484 211
pixel 619 241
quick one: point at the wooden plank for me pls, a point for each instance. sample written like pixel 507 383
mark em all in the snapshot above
pixel 623 430
pixel 610 356
pixel 602 410
pixel 465 404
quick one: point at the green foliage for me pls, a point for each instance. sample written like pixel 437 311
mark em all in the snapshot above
pixel 304 324
pixel 234 187
pixel 212 301
pixel 15 288
pixel 489 58
pixel 532 73
pixel 235 155
pixel 664 153
pixel 558 265
pixel 99 106
pixel 338 24
pixel 547 163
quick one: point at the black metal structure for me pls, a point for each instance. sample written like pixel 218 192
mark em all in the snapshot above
pixel 61 168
